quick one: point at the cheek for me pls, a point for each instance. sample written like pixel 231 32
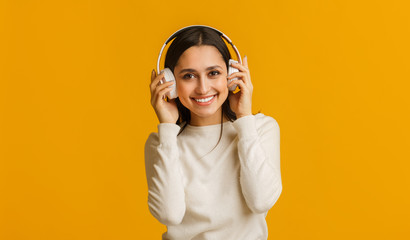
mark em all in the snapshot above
pixel 222 85
pixel 184 90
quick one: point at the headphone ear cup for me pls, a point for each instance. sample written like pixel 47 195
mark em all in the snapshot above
pixel 232 70
pixel 169 77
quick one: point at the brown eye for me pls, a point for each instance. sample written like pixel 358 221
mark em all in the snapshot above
pixel 188 76
pixel 214 73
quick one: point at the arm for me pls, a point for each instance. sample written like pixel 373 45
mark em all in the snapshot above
pixel 259 156
pixel 166 197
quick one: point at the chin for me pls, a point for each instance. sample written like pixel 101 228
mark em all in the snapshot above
pixel 212 112
pixel 205 114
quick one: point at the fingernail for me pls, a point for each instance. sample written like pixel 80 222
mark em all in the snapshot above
pixel 153 72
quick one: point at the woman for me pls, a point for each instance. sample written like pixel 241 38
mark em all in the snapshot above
pixel 213 168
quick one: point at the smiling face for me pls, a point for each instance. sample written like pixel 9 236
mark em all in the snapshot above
pixel 200 75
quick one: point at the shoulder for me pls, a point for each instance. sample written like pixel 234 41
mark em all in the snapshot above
pixel 152 137
pixel 152 140
pixel 264 122
pixel 167 132
pixel 259 124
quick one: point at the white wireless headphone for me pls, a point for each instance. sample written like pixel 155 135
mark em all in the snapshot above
pixel 169 76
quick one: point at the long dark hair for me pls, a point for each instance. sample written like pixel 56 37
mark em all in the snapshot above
pixel 197 36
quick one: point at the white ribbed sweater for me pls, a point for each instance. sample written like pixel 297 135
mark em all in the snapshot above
pixel 219 194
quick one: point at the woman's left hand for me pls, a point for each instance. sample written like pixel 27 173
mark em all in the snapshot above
pixel 241 102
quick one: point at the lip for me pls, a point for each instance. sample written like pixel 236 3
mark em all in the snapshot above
pixel 203 97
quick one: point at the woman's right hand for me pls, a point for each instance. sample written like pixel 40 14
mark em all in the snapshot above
pixel 167 112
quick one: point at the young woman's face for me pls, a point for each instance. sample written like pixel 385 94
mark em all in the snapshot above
pixel 201 83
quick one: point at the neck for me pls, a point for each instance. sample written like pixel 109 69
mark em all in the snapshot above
pixel 212 120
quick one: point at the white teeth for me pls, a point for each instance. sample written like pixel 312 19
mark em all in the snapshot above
pixel 204 99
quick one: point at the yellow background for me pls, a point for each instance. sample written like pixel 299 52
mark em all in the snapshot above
pixel 75 112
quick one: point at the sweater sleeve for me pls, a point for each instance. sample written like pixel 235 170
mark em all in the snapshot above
pixel 166 197
pixel 259 156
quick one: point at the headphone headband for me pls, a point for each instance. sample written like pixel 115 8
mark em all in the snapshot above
pixel 180 30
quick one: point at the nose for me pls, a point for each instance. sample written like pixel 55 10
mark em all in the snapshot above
pixel 202 85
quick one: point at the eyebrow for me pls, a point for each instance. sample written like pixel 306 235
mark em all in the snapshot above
pixel 193 70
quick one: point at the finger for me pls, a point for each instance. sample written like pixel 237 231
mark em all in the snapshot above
pixel 245 61
pixel 156 80
pixel 240 84
pixel 240 67
pixel 158 93
pixel 240 75
pixel 237 74
pixel 161 94
pixel 163 86
pixel 153 74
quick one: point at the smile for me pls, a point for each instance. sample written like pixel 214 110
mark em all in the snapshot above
pixel 204 100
